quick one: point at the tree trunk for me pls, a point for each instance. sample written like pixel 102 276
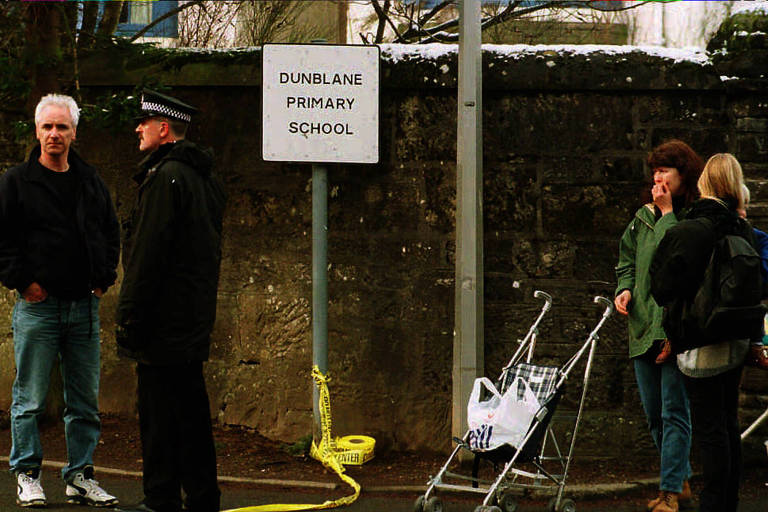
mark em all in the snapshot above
pixel 69 24
pixel 88 26
pixel 342 7
pixel 382 23
pixel 109 19
pixel 43 50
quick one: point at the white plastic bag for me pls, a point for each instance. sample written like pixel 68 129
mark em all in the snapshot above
pixel 502 419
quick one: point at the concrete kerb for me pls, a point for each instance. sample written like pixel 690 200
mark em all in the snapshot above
pixel 232 479
pixel 578 491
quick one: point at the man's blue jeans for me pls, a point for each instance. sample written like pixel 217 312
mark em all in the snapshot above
pixel 43 332
pixel 662 391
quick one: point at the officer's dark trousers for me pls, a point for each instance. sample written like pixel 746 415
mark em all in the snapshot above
pixel 177 438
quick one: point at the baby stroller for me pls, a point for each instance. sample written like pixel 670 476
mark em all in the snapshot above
pixel 755 424
pixel 546 384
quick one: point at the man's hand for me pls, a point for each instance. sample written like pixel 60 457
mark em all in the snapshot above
pixel 622 302
pixel 35 293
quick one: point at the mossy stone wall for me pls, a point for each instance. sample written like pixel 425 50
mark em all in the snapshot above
pixel 565 138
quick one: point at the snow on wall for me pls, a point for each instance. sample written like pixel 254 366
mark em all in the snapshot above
pixel 399 52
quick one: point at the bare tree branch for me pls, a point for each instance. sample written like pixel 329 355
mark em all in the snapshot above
pixel 419 31
pixel 490 21
pixel 434 11
pixel 620 9
pixel 383 14
pixel 109 18
pixel 209 24
pixel 162 18
pixel 88 25
pixel 382 25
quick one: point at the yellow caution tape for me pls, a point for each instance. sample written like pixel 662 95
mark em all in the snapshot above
pixel 354 450
pixel 333 453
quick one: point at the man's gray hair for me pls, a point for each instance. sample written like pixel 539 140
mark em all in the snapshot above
pixel 60 100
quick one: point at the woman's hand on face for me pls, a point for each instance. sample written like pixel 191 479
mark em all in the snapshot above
pixel 667 182
pixel 662 197
pixel 622 302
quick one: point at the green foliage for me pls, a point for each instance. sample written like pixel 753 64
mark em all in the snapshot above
pixel 14 82
pixel 741 32
pixel 111 112
pixel 22 130
pixel 114 112
pixel 300 448
pixel 14 78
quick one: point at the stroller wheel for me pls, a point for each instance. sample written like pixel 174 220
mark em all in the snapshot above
pixel 566 505
pixel 507 502
pixel 433 504
pixel 485 508
pixel 418 505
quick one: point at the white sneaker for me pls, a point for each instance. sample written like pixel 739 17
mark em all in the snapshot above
pixel 84 490
pixel 29 491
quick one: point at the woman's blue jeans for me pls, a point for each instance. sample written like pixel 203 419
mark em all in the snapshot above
pixel 665 401
pixel 42 333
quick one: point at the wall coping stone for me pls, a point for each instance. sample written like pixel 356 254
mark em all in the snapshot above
pixel 433 66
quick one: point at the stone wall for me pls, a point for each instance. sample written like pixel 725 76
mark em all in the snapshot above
pixel 566 132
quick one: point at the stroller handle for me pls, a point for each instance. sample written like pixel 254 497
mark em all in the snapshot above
pixel 605 302
pixel 547 298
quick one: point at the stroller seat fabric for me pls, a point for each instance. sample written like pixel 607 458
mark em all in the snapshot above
pixel 542 380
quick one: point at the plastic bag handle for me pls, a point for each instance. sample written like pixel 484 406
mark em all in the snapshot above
pixel 528 395
pixel 488 385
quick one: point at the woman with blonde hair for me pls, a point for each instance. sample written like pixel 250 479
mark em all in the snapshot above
pixel 711 372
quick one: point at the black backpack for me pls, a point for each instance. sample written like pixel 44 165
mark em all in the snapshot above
pixel 726 305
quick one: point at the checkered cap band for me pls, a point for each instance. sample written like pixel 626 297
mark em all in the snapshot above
pixel 163 110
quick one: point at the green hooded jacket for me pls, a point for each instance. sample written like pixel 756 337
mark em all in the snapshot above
pixel 636 249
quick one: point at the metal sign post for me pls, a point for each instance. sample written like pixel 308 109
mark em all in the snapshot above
pixel 468 350
pixel 319 285
pixel 320 104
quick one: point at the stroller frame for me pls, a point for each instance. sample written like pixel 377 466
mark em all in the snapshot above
pixel 496 491
pixel 754 425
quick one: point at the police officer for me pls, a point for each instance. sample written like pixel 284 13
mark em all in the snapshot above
pixel 167 306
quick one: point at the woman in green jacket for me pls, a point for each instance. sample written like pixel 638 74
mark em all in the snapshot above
pixel 676 169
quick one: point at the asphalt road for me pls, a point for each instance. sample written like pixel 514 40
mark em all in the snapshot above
pixel 128 490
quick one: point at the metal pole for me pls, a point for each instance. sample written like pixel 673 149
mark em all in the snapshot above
pixel 468 350
pixel 319 284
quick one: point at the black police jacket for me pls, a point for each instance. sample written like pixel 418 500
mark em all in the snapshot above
pixel 167 304
pixel 34 226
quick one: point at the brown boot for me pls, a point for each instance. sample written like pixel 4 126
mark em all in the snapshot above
pixel 655 501
pixel 668 503
pixel 685 498
pixel 758 356
pixel 666 352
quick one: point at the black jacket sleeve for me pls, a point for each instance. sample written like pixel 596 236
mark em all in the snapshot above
pixel 14 273
pixel 111 230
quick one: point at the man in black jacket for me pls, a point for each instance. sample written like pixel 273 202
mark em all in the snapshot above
pixel 59 247
pixel 167 306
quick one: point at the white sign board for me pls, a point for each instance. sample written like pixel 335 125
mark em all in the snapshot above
pixel 320 103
